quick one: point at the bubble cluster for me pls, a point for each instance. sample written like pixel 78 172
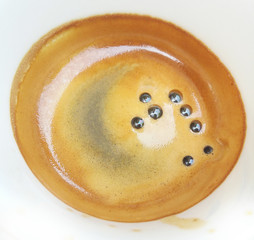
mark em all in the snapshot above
pixel 156 112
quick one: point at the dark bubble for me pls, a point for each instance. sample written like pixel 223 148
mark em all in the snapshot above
pixel 208 149
pixel 145 97
pixel 175 96
pixel 195 126
pixel 188 161
pixel 155 112
pixel 137 122
pixel 186 110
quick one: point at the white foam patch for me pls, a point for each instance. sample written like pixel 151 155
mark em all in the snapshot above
pixel 158 134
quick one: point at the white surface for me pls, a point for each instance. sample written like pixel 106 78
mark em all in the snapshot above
pixel 29 211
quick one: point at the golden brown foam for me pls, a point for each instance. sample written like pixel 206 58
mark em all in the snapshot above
pixel 73 99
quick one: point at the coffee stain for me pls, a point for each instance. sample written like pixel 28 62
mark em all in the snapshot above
pixel 111 225
pixel 184 223
pixel 249 213
pixel 211 230
pixel 70 210
pixel 85 215
pixel 136 230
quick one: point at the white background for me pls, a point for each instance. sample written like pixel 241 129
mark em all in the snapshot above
pixel 29 211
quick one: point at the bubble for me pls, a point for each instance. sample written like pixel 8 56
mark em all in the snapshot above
pixel 195 126
pixel 137 122
pixel 208 149
pixel 155 112
pixel 188 161
pixel 145 97
pixel 186 110
pixel 175 96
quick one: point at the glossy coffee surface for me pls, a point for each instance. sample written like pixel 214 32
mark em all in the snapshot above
pixel 126 117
